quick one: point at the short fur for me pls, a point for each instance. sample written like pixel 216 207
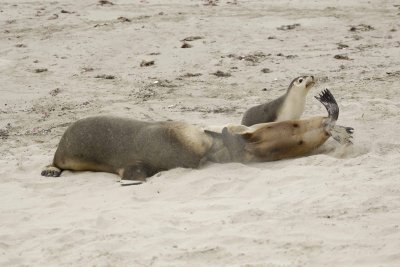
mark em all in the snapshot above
pixel 289 106
pixel 133 149
pixel 136 150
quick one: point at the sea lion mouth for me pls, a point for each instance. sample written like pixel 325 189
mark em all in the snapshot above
pixel 310 84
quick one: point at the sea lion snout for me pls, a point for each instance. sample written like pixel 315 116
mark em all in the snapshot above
pixel 310 81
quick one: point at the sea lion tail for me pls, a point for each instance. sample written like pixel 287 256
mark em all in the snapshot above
pixel 329 102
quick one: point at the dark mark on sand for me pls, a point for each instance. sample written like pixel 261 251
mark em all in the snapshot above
pixel 341 57
pixel 40 70
pixel 361 28
pixel 123 19
pixel 105 2
pixel 191 38
pixel 190 75
pixel 342 46
pixel 221 74
pixel 55 92
pixel 145 63
pixel 266 70
pixel 105 76
pixel 186 45
pixel 211 2
pixel 288 27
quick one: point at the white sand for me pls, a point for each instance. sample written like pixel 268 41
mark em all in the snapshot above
pixel 337 207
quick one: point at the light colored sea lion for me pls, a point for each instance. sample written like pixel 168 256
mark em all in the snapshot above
pixel 289 106
pixel 136 150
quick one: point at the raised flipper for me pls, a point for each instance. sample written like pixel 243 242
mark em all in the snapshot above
pixel 329 102
pixel 340 133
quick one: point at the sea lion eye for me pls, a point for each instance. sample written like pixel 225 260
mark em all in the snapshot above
pixel 300 80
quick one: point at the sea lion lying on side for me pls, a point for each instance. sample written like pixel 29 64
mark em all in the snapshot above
pixel 136 150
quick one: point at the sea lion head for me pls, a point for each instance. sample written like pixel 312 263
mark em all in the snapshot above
pixel 302 83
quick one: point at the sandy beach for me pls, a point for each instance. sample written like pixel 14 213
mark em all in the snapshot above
pixel 204 62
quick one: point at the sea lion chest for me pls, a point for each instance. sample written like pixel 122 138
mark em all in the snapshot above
pixel 292 107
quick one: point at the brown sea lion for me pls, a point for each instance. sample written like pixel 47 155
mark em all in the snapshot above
pixel 136 150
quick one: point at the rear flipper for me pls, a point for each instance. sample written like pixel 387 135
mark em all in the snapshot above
pixel 342 134
pixel 329 102
pixel 51 171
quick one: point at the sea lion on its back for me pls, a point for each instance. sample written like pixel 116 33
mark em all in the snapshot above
pixel 136 150
pixel 290 106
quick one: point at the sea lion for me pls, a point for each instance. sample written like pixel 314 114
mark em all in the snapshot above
pixel 130 148
pixel 289 106
pixel 136 150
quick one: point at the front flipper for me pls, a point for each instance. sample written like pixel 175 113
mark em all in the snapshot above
pixel 234 143
pixel 135 174
pixel 51 171
pixel 130 182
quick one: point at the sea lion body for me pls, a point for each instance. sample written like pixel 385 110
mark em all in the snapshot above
pixel 120 145
pixel 289 106
pixel 136 150
pixel 277 140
